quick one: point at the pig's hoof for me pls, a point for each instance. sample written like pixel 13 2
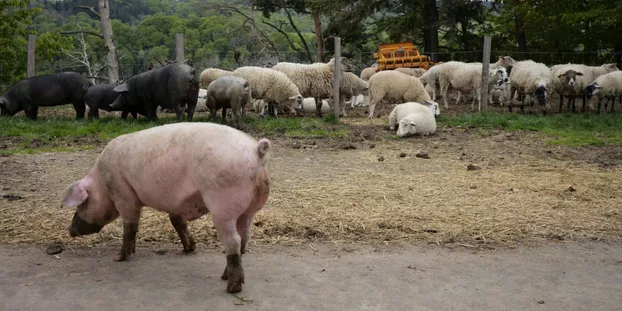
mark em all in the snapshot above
pixel 224 274
pixel 234 287
pixel 192 245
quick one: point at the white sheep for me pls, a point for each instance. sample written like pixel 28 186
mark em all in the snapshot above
pixel 430 78
pixel 359 101
pixel 415 72
pixel 314 80
pixel 570 80
pixel 606 86
pixel 349 86
pixel 530 78
pixel 467 77
pixel 273 87
pixel 414 118
pixel 210 74
pixel 500 93
pixel 395 86
pixel 368 72
pixel 308 105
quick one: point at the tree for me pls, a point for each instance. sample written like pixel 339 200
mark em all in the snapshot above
pixel 14 20
pixel 111 52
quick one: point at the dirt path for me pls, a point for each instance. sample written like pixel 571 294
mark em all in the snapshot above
pixel 557 276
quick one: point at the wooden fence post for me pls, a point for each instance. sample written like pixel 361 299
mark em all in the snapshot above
pixel 179 48
pixel 337 76
pixel 483 103
pixel 30 70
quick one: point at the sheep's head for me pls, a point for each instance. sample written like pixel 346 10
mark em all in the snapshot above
pixel 500 74
pixel 541 94
pixel 345 63
pixel 506 61
pixel 296 102
pixel 569 78
pixel 433 106
pixel 611 67
pixel 592 89
pixel 406 128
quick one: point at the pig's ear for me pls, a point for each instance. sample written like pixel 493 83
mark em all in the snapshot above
pixel 121 88
pixel 75 195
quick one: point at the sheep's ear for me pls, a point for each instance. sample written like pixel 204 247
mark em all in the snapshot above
pixel 561 75
pixel 75 195
pixel 579 73
pixel 596 86
pixel 121 88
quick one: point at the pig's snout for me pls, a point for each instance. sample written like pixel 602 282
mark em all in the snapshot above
pixel 81 227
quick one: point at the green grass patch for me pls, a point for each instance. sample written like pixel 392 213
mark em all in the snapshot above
pixel 52 132
pixel 565 129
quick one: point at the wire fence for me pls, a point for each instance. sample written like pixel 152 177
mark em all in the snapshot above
pixel 230 60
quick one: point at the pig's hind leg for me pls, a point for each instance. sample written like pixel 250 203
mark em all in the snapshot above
pixel 181 227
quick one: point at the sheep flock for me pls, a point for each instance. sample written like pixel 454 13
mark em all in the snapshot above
pixel 412 93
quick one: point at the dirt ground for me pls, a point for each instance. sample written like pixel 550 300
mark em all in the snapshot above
pixel 559 276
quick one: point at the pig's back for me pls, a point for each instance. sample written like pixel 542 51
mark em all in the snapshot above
pixel 170 164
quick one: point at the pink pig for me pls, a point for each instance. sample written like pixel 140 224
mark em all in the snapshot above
pixel 186 170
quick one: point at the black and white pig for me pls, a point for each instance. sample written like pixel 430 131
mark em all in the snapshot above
pixel 45 90
pixel 173 86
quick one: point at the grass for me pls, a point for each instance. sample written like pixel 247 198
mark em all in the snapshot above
pixel 55 131
pixel 561 129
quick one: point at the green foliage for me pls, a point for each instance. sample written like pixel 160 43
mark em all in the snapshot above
pixel 14 20
pixel 559 129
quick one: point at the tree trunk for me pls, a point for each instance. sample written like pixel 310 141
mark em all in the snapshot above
pixel 431 32
pixel 111 55
pixel 319 40
pixel 521 37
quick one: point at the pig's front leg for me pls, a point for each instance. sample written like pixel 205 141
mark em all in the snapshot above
pixel 181 227
pixel 129 241
pixel 231 241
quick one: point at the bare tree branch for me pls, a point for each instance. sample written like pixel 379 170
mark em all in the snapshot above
pixel 267 40
pixel 81 31
pixel 304 42
pixel 84 7
pixel 289 41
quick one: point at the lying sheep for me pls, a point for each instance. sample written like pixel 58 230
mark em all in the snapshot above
pixel 210 74
pixel 273 87
pixel 395 86
pixel 414 118
pixel 368 72
pixel 314 80
pixel 570 80
pixel 500 93
pixel 415 72
pixel 308 105
pixel 349 86
pixel 607 86
pixel 229 92
pixel 530 78
pixel 359 101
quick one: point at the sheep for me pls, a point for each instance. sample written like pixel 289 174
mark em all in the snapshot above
pixel 606 86
pixel 308 105
pixel 414 118
pixel 314 80
pixel 201 101
pixel 368 72
pixel 394 86
pixel 229 92
pixel 530 78
pixel 273 87
pixel 468 76
pixel 415 72
pixel 210 74
pixel 571 79
pixel 500 93
pixel 350 85
pixel 359 101
pixel 430 78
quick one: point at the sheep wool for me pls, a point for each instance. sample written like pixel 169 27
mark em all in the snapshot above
pixel 367 73
pixel 210 74
pixel 414 118
pixel 395 86
pixel 272 86
pixel 607 86
pixel 531 78
pixel 415 72
pixel 308 105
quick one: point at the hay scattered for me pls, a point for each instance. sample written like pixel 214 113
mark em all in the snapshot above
pixel 344 196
